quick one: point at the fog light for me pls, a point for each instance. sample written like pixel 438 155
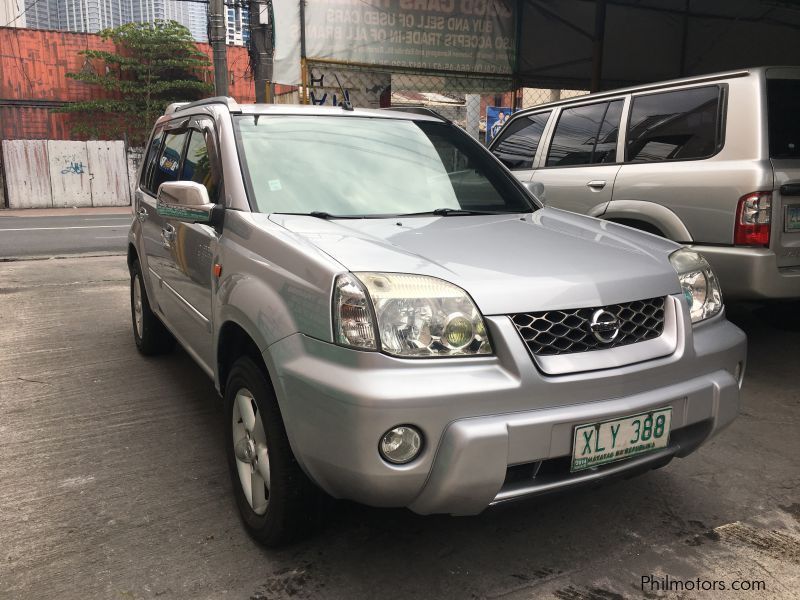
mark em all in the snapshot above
pixel 401 444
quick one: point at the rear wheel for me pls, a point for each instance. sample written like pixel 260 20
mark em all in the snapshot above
pixel 276 500
pixel 149 333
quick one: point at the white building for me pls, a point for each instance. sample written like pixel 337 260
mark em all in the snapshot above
pixel 237 23
pixel 12 13
pixel 93 15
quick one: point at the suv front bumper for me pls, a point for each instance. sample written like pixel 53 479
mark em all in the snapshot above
pixel 484 419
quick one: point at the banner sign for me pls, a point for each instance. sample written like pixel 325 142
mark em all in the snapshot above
pixel 471 36
pixel 362 90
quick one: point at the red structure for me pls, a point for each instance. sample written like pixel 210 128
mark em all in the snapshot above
pixel 33 80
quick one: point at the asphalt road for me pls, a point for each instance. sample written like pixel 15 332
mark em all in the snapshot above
pixel 37 236
pixel 113 484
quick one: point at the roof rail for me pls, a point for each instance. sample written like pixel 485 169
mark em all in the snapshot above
pixel 418 110
pixel 232 105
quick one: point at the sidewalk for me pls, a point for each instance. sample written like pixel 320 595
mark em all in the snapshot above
pixel 65 212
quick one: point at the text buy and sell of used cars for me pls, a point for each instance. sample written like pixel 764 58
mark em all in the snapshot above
pixel 392 318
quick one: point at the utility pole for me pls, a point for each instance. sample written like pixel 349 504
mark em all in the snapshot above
pixel 217 35
pixel 261 49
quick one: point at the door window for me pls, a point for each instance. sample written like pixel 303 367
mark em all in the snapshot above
pixel 146 181
pixel 198 166
pixel 169 160
pixel 518 143
pixel 585 135
pixel 683 124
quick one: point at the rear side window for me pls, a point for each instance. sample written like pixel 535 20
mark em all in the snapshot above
pixel 585 135
pixel 518 143
pixel 150 160
pixel 169 159
pixel 198 166
pixel 783 105
pixel 677 125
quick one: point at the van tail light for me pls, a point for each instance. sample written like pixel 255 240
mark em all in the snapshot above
pixel 753 217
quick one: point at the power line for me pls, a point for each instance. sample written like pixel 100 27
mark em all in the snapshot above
pixel 30 6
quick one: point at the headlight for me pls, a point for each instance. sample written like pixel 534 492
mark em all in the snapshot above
pixel 414 315
pixel 700 285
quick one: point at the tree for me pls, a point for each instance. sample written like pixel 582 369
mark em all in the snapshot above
pixel 153 64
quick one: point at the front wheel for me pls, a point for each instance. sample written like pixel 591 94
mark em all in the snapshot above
pixel 149 333
pixel 276 501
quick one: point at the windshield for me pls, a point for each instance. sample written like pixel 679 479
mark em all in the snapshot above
pixel 356 166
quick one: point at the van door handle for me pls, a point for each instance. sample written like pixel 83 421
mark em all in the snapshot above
pixel 141 214
pixel 596 184
pixel 167 235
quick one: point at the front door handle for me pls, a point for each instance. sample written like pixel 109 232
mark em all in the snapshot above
pixel 141 214
pixel 596 184
pixel 167 235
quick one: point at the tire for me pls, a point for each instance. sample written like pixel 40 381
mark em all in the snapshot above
pixel 149 333
pixel 276 501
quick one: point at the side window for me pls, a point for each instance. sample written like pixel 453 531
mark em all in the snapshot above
pixel 199 164
pixel 150 160
pixel 585 135
pixel 169 160
pixel 605 151
pixel 517 146
pixel 674 125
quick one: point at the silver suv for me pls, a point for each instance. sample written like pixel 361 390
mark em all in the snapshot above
pixel 391 318
pixel 712 162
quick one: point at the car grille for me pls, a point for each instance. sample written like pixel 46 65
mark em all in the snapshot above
pixel 568 331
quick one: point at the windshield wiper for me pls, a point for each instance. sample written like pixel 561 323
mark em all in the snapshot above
pixel 321 214
pixel 456 212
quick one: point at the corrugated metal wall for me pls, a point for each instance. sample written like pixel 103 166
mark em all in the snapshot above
pixel 33 68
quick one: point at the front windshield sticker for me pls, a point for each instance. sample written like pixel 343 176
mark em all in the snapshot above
pixel 274 185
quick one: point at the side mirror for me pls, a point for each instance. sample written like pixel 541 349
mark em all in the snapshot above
pixel 536 189
pixel 185 201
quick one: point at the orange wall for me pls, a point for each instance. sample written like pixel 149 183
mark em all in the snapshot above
pixel 33 68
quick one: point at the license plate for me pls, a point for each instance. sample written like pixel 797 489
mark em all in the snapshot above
pixel 792 220
pixel 601 443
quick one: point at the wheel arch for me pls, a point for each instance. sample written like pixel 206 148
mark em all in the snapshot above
pixel 235 340
pixel 648 216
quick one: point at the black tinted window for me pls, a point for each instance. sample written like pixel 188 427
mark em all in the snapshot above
pixel 150 160
pixel 169 160
pixel 783 97
pixel 674 125
pixel 577 139
pixel 605 151
pixel 197 166
pixel 517 146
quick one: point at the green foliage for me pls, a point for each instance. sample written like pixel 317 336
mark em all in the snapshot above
pixel 153 64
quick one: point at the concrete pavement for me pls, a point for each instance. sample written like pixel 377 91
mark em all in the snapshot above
pixel 113 484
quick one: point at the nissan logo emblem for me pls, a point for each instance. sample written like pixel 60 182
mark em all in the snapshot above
pixel 604 326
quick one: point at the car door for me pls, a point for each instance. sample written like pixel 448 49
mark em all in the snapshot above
pixel 162 164
pixel 517 145
pixel 578 169
pixel 193 246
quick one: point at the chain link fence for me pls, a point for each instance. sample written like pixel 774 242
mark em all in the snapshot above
pixel 463 99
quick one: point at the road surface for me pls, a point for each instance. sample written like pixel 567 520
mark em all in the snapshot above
pixel 57 235
pixel 113 485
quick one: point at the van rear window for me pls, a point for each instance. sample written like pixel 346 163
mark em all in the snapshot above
pixel 783 98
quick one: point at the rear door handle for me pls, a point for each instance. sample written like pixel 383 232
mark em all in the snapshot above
pixel 596 184
pixel 141 214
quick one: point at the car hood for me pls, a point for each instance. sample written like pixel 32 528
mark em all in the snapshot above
pixel 544 260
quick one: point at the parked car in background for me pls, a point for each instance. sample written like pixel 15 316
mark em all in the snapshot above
pixel 712 162
pixel 391 317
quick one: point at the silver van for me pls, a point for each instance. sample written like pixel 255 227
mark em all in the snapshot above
pixel 711 162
